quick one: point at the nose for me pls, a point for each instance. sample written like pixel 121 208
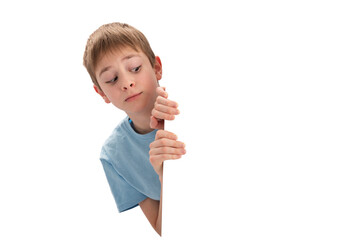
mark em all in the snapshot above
pixel 128 84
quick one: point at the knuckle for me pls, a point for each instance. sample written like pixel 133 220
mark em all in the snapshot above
pixel 166 150
pixel 159 133
pixel 153 160
pixel 159 99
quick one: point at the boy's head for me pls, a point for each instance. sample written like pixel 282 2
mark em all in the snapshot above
pixel 111 37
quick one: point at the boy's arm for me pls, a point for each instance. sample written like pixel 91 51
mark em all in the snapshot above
pixel 153 212
pixel 165 147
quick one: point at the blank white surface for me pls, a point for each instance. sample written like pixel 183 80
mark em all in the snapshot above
pixel 269 105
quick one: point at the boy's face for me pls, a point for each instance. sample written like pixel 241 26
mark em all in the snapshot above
pixel 128 80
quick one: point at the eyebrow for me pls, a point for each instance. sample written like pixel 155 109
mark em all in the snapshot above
pixel 104 70
pixel 124 58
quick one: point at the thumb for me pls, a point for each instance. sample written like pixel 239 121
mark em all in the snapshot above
pixel 153 122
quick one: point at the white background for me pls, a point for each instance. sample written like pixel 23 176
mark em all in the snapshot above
pixel 268 93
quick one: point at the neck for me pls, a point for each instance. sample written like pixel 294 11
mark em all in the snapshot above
pixel 141 123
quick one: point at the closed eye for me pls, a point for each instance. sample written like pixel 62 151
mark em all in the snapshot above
pixel 112 80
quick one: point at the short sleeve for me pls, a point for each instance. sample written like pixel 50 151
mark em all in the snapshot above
pixel 126 197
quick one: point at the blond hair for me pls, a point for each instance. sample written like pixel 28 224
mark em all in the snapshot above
pixel 110 37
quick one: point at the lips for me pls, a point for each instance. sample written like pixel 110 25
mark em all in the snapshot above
pixel 132 97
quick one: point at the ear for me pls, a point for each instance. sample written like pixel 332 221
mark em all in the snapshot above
pixel 158 68
pixel 99 91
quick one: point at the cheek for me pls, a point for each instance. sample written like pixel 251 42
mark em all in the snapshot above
pixel 147 79
pixel 152 83
pixel 154 78
pixel 109 94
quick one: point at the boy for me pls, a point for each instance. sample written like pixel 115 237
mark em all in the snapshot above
pixel 125 72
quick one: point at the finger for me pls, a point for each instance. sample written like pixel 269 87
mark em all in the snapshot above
pixel 161 91
pixel 160 124
pixel 165 134
pixel 160 158
pixel 153 122
pixel 165 142
pixel 162 115
pixel 157 123
pixel 167 150
pixel 166 102
pixel 166 109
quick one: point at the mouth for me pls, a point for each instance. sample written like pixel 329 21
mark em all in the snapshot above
pixel 132 97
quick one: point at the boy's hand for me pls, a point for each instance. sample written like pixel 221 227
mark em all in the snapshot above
pixel 164 109
pixel 165 147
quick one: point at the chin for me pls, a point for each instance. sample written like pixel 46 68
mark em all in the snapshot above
pixel 139 110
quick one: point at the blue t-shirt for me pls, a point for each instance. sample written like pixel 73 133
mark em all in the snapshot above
pixel 125 159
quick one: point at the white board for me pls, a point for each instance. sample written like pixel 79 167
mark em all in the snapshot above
pixel 269 112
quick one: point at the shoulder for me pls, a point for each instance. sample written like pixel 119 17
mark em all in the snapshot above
pixel 116 139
